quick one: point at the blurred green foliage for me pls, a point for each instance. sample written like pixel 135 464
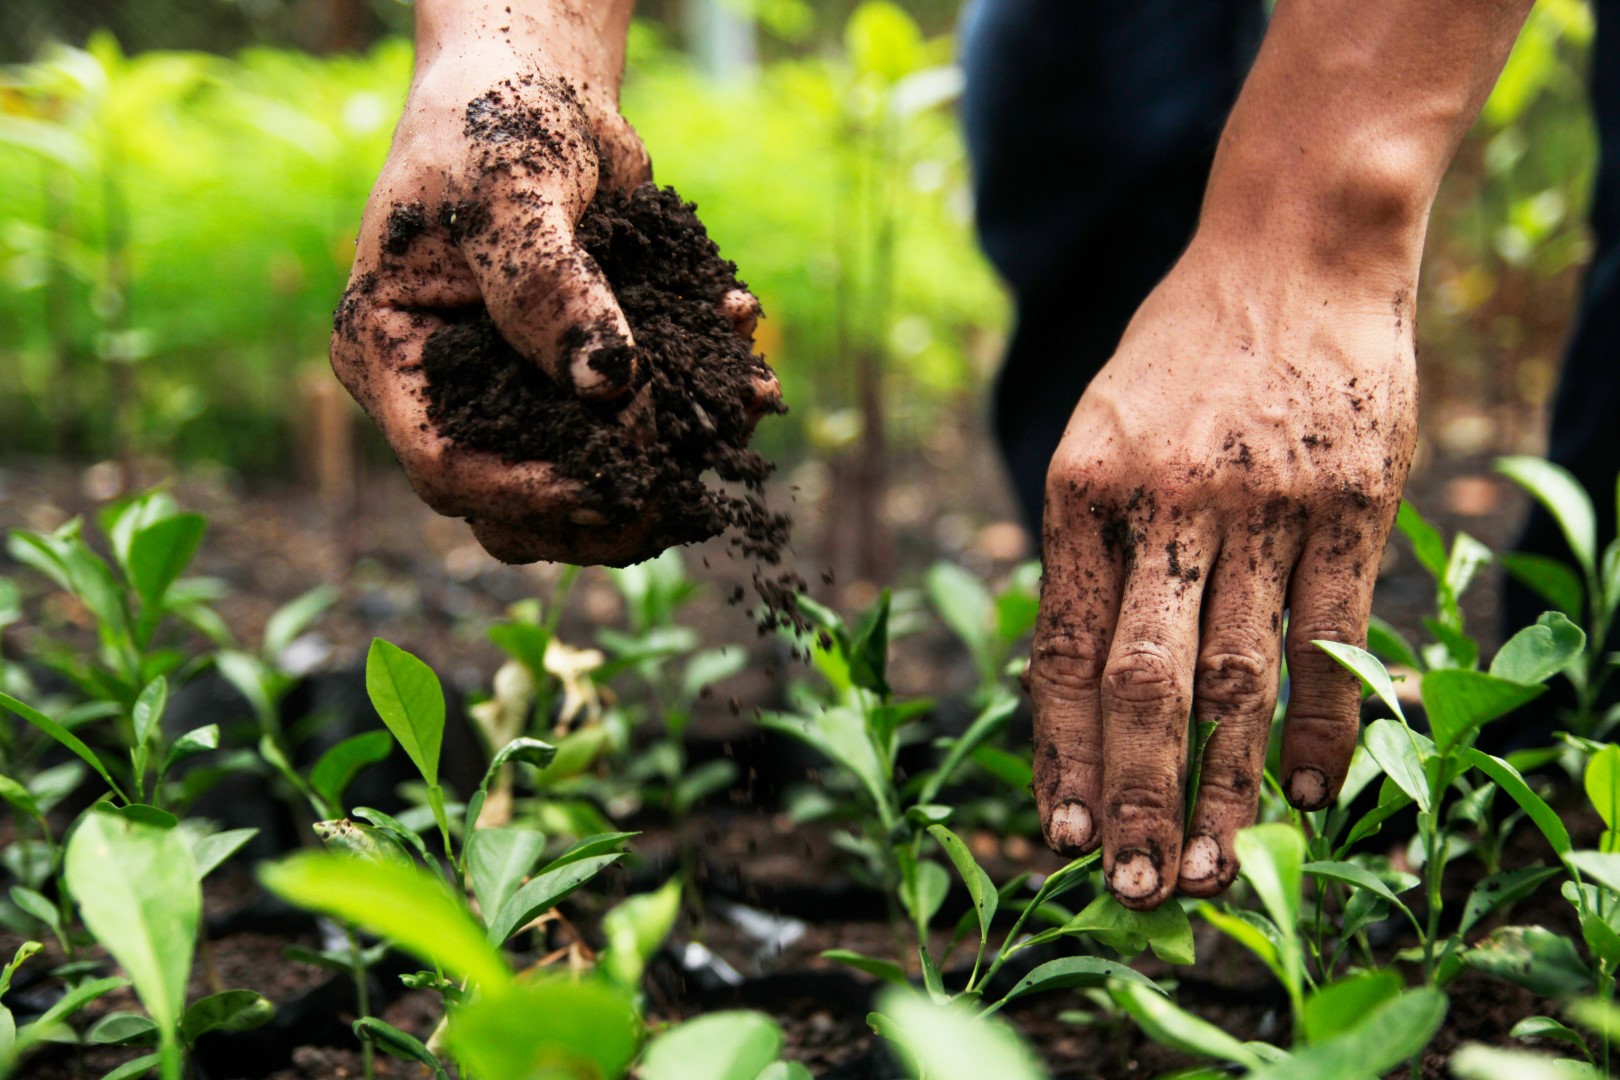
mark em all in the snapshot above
pixel 178 226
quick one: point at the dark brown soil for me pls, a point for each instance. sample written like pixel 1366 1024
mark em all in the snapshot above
pixel 693 369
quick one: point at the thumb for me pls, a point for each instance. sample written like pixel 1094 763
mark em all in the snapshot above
pixel 550 299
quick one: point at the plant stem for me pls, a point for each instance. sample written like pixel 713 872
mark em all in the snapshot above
pixel 362 996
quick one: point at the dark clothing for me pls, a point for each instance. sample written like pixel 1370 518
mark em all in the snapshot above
pixel 1091 128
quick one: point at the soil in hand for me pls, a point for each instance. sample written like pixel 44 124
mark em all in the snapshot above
pixel 696 377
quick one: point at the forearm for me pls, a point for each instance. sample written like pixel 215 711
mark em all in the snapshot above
pixel 1348 121
pixel 583 37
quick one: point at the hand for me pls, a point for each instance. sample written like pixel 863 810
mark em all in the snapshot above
pixel 1241 454
pixel 511 125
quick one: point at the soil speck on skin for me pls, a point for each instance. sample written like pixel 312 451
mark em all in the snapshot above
pixel 697 374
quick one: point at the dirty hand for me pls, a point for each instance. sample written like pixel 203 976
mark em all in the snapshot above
pixel 1242 454
pixel 511 125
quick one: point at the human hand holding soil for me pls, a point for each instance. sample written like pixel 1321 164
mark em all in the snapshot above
pixel 510 131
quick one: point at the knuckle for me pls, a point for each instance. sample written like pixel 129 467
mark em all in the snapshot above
pixel 1234 681
pixel 1066 666
pixel 1141 673
pixel 1304 655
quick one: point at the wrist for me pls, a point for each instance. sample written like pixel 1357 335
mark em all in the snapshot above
pixel 583 40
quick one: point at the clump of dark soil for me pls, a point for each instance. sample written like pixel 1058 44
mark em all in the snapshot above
pixel 693 369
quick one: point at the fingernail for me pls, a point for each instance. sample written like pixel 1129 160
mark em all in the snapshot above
pixel 608 366
pixel 1069 830
pixel 1134 877
pixel 1202 859
pixel 1308 788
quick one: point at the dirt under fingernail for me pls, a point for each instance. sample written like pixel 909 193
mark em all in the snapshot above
pixel 1134 877
pixel 1308 788
pixel 1202 859
pixel 1069 830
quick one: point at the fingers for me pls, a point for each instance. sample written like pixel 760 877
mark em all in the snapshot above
pixel 742 308
pixel 1146 703
pixel 1235 685
pixel 581 539
pixel 547 295
pixel 1330 600
pixel 1083 568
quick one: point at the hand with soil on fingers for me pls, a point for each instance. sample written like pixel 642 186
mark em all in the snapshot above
pixel 1242 455
pixel 472 256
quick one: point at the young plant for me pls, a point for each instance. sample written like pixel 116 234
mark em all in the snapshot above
pixel 991 626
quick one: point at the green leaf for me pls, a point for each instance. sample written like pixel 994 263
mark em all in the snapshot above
pixel 1368 668
pixel 887 970
pixel 293 618
pixel 498 859
pixel 1460 702
pixel 1545 1027
pixel 1603 785
pixel 1167 1024
pixel 367 842
pixel 840 734
pixel 1272 859
pixel 731 1045
pixel 1535 958
pixel 1069 972
pixel 947 1044
pixel 1502 888
pixel 160 553
pixel 1165 929
pixel 1601 866
pixel 337 768
pixel 965 605
pixel 1537 653
pixel 979 886
pixel 1340 1006
pixel 1378 1041
pixel 1390 645
pixel 148 712
pixel 524 642
pixel 990 721
pixel 634 929
pixel 543 892
pixel 1548 578
pixel 19 797
pixel 411 907
pixel 25 952
pixel 869 650
pixel 130 1070
pixel 232 1010
pixel 1394 747
pixel 1508 779
pixel 588 847
pixel 585 1028
pixel 785 1070
pixel 63 736
pixel 923 886
pixel 122 1029
pixel 407 695
pixel 1476 1061
pixel 1358 877
pixel 1565 499
pixel 397 1043
pixel 38 906
pixel 1427 543
pixel 196 741
pixel 700 782
pixel 49 1022
pixel 137 890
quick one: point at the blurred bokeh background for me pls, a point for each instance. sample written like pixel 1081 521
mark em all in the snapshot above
pixel 180 181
